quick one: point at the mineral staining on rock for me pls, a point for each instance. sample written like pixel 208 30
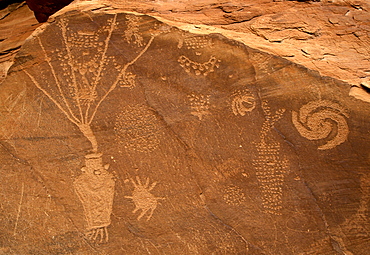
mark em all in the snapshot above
pixel 150 139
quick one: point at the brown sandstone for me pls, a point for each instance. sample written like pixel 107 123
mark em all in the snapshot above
pixel 124 133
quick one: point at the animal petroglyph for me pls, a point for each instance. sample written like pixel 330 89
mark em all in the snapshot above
pixel 243 102
pixel 78 92
pixel 143 199
pixel 137 128
pixel 95 189
pixel 199 68
pixel 270 166
pixel 319 119
pixel 199 105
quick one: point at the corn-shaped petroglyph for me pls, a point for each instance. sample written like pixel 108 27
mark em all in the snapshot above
pixel 95 189
pixel 143 199
pixel 132 33
pixel 322 119
pixel 199 105
pixel 270 165
pixel 88 76
pixel 233 195
pixel 243 101
pixel 138 128
pixel 199 68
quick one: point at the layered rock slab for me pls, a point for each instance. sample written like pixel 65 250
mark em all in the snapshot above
pixel 124 135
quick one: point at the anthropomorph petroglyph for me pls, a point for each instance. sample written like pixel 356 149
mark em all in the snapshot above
pixel 199 105
pixel 243 101
pixel 318 119
pixel 270 166
pixel 79 91
pixel 143 199
pixel 199 68
pixel 95 189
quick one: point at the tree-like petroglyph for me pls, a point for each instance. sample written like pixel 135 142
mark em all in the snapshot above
pixel 270 165
pixel 199 105
pixel 199 68
pixel 79 91
pixel 317 120
pixel 143 199
pixel 138 128
pixel 243 101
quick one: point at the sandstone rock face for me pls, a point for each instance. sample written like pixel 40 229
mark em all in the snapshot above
pixel 122 134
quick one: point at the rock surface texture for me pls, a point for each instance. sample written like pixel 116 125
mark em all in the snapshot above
pixel 128 134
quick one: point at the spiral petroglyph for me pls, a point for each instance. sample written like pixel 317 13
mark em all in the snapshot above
pixel 322 119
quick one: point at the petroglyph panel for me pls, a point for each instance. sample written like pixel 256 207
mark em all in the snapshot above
pixel 124 135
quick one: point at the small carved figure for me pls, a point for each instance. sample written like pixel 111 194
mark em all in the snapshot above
pixel 199 68
pixel 95 189
pixel 243 102
pixel 199 105
pixel 316 121
pixel 143 199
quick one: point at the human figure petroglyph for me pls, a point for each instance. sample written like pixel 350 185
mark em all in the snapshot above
pixel 199 68
pixel 243 101
pixel 143 199
pixel 78 93
pixel 95 189
pixel 199 105
pixel 270 166
pixel 316 121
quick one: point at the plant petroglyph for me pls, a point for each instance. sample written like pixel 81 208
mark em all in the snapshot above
pixel 199 105
pixel 270 165
pixel 143 199
pixel 78 93
pixel 243 101
pixel 319 119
